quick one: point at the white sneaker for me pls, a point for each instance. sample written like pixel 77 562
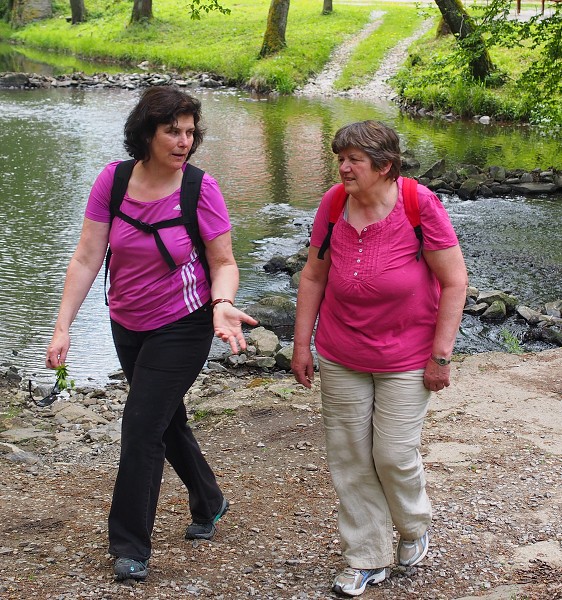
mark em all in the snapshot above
pixel 352 582
pixel 410 553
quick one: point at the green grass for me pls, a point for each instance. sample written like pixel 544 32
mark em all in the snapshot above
pixel 227 45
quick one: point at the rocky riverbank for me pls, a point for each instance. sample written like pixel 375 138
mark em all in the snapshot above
pixel 127 81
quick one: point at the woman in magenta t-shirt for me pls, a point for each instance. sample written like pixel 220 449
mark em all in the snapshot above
pixel 386 328
pixel 162 318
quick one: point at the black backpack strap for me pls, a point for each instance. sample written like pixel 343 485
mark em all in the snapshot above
pixel 123 172
pixel 326 243
pixel 189 198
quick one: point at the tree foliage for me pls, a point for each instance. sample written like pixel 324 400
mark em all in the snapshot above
pixel 542 80
pixel 142 9
pixel 470 40
pixel 5 9
pixel 197 6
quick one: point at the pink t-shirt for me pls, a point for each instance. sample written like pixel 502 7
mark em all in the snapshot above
pixel 144 294
pixel 379 310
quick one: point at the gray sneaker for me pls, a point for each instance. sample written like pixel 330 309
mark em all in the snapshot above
pixel 352 582
pixel 206 531
pixel 410 553
pixel 128 568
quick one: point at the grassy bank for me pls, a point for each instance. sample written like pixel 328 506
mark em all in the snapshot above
pixel 434 78
pixel 228 45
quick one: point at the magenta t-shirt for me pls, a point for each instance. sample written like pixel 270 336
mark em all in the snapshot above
pixel 379 310
pixel 144 294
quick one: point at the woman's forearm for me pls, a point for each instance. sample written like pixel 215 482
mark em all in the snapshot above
pixel 79 280
pixel 309 298
pixel 449 317
pixel 225 281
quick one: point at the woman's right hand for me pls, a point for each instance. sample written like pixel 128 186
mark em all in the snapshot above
pixel 302 365
pixel 57 350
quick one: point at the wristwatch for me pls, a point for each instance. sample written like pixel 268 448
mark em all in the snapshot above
pixel 442 362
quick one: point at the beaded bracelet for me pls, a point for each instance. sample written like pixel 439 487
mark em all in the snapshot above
pixel 219 300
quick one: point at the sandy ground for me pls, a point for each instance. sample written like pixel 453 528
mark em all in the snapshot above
pixel 492 446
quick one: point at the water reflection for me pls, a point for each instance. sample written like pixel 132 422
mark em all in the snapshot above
pixel 273 161
pixel 20 59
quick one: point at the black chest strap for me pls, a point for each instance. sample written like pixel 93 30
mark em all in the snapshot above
pixel 189 198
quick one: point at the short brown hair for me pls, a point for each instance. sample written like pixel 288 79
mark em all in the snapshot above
pixel 159 105
pixel 377 140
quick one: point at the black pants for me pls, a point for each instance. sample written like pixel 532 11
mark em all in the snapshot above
pixel 160 366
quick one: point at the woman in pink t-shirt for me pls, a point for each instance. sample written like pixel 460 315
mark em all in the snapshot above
pixel 163 311
pixel 387 324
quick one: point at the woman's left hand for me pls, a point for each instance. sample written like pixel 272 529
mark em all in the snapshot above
pixel 436 377
pixel 227 322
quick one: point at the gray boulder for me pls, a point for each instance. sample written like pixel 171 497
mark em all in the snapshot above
pixel 273 311
pixel 265 341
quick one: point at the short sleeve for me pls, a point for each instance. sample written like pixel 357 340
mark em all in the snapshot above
pixel 322 218
pixel 212 212
pixel 438 231
pixel 97 208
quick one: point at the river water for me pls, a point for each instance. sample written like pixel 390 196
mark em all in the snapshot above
pixel 273 161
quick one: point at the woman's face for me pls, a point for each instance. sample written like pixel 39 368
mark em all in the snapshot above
pixel 171 143
pixel 356 171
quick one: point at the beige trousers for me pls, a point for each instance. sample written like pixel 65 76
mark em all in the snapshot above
pixel 373 424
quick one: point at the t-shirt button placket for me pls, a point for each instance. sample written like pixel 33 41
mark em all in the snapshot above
pixel 360 250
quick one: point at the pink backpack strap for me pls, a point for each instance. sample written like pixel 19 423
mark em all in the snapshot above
pixel 412 209
pixel 337 203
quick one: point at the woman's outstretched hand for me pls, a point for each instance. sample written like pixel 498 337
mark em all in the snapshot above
pixel 57 350
pixel 227 322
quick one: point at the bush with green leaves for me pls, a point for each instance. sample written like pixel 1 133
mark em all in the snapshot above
pixel 437 74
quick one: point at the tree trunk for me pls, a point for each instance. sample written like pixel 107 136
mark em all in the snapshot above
pixel 78 11
pixel 274 37
pixel 142 11
pixel 462 26
pixel 327 7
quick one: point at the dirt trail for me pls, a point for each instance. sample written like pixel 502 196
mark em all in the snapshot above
pixel 492 445
pixel 377 87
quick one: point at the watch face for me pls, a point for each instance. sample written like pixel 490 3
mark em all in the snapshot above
pixel 441 361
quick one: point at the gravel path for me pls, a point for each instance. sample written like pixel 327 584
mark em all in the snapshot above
pixel 377 88
pixel 492 447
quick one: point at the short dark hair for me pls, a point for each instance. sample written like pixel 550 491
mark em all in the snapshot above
pixel 159 105
pixel 379 141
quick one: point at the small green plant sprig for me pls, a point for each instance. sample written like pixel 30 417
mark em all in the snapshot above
pixel 512 343
pixel 62 375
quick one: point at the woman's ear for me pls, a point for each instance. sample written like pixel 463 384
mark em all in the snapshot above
pixel 386 168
